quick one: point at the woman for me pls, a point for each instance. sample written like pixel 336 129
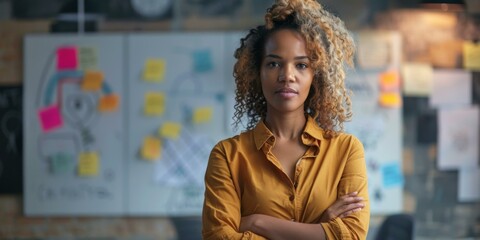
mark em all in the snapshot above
pixel 293 174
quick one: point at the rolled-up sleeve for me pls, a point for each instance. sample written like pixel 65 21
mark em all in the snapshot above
pixel 354 178
pixel 221 209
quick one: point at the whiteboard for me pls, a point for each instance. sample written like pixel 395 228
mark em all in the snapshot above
pixel 379 130
pixel 55 189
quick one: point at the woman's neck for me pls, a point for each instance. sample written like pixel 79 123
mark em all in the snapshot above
pixel 286 127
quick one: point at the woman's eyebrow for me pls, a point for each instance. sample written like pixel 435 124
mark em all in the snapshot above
pixel 278 57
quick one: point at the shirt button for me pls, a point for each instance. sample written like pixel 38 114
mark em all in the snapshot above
pixel 292 197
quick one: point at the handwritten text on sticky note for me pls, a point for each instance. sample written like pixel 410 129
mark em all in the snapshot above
pixel 154 70
pixel 154 103
pixel 389 81
pixel 202 115
pixel 170 130
pixel 92 81
pixel 109 103
pixel 88 164
pixel 88 58
pixel 202 61
pixel 61 163
pixel 390 99
pixel 392 175
pixel 151 148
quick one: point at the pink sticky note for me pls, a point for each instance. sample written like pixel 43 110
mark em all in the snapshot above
pixel 50 118
pixel 67 58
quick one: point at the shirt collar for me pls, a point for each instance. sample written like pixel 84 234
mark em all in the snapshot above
pixel 311 133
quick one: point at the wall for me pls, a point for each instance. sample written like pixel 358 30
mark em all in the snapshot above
pixel 430 195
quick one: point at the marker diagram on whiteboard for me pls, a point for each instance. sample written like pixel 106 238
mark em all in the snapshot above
pixel 76 124
pixel 177 100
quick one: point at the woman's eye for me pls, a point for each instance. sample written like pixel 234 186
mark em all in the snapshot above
pixel 302 66
pixel 273 64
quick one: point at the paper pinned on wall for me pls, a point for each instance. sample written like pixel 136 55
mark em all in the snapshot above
pixel 109 103
pixel 202 61
pixel 390 99
pixel 389 81
pixel 67 58
pixel 373 50
pixel 88 58
pixel 451 88
pixel 154 70
pixel 151 148
pixel 202 115
pixel 471 56
pixel 170 130
pixel 154 103
pixel 50 118
pixel 417 79
pixel 92 81
pixel 458 138
pixel 88 164
pixel 468 190
pixel 392 175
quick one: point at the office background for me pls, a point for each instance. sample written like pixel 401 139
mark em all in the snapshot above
pixel 433 37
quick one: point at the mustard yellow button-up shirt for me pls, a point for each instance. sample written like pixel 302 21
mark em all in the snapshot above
pixel 243 177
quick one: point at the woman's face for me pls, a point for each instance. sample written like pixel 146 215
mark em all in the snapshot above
pixel 285 73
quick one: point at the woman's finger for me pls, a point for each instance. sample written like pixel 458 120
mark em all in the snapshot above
pixel 345 214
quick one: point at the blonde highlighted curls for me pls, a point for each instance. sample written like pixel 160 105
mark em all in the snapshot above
pixel 329 46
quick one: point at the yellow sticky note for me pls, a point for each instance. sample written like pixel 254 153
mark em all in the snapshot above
pixel 471 56
pixel 154 70
pixel 389 81
pixel 108 103
pixel 88 58
pixel 151 148
pixel 390 99
pixel 88 164
pixel 202 115
pixel 417 79
pixel 92 81
pixel 154 103
pixel 170 130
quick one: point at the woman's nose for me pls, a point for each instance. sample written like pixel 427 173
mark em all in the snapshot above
pixel 287 74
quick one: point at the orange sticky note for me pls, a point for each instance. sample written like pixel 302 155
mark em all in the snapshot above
pixel 471 56
pixel 202 115
pixel 92 81
pixel 151 148
pixel 154 70
pixel 108 103
pixel 389 81
pixel 390 99
pixel 154 103
pixel 88 164
pixel 170 130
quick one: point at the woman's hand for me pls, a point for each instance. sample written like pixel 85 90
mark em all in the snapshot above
pixel 343 207
pixel 247 222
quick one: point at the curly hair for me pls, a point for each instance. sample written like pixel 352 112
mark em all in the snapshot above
pixel 329 47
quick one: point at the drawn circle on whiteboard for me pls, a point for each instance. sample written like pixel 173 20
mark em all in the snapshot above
pixel 79 109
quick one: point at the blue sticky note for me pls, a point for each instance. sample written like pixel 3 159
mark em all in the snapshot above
pixel 392 175
pixel 202 61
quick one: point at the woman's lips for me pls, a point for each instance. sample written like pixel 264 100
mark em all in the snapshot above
pixel 286 92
